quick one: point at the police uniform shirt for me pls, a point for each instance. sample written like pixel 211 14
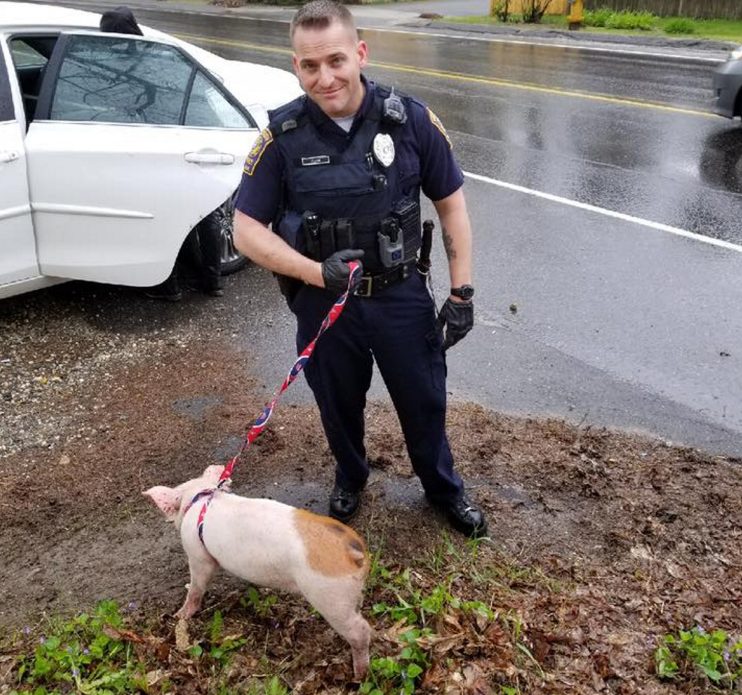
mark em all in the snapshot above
pixel 423 155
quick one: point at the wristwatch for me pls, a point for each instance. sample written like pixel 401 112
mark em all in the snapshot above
pixel 463 292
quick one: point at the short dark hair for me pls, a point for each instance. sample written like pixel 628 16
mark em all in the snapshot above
pixel 120 21
pixel 319 14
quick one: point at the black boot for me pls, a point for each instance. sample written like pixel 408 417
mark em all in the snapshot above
pixel 464 516
pixel 344 503
pixel 209 241
pixel 168 291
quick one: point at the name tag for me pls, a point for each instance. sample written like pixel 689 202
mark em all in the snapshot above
pixel 315 161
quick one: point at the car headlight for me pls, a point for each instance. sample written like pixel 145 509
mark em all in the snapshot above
pixel 736 54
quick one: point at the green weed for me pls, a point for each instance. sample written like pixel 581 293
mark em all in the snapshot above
pixel 219 648
pixel 87 653
pixel 679 25
pixel 272 686
pixel 377 573
pixel 261 604
pixel 596 18
pixel 693 653
pixel 416 609
pixel 414 606
pixel 619 20
pixel 400 674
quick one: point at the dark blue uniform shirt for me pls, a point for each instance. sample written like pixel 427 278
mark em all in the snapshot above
pixel 423 154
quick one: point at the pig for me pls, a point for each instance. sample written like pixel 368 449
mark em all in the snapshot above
pixel 275 545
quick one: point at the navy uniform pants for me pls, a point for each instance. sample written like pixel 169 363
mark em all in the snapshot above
pixel 397 329
pixel 200 256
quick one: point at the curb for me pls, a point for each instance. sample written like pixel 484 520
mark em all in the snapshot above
pixel 590 37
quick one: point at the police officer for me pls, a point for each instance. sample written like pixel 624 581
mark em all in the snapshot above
pixel 338 174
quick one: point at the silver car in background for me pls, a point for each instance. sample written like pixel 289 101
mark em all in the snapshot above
pixel 727 86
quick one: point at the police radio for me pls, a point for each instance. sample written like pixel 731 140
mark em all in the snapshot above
pixel 394 109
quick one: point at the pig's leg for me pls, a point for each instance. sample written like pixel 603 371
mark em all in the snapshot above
pixel 358 634
pixel 344 616
pixel 202 570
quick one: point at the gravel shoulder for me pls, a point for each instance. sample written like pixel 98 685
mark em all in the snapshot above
pixel 104 394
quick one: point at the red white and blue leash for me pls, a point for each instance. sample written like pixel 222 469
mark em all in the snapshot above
pixel 259 425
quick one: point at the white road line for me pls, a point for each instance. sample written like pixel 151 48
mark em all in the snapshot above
pixel 608 213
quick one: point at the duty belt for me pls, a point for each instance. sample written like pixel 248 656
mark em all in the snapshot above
pixel 372 284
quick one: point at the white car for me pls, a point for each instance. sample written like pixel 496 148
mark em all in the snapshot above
pixel 113 147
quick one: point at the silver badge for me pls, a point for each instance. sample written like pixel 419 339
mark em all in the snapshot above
pixel 384 149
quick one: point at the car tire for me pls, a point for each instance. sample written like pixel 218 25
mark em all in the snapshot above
pixel 232 259
pixel 721 159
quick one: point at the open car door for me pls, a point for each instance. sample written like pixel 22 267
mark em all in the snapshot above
pixel 132 144
pixel 18 255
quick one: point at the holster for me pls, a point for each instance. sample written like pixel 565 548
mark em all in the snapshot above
pixel 289 229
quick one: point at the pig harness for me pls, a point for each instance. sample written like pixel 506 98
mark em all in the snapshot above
pixel 257 428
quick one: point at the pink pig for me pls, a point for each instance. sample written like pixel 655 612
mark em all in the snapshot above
pixel 272 544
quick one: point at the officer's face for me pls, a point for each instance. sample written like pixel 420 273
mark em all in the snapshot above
pixel 328 64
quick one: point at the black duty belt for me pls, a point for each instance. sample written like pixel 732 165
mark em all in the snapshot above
pixel 372 284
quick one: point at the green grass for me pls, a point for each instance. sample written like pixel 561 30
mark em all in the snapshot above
pixel 454 596
pixel 716 29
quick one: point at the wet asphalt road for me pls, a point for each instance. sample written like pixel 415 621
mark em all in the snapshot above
pixel 579 315
pixel 615 323
pixel 627 132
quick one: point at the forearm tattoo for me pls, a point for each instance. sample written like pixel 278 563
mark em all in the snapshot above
pixel 448 244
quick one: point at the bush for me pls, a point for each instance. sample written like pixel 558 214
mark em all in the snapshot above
pixel 534 10
pixel 680 25
pixel 619 20
pixel 630 20
pixel 501 10
pixel 597 18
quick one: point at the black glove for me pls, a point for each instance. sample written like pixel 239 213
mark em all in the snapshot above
pixel 458 317
pixel 335 270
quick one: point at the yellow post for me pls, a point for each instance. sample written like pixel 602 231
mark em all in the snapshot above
pixel 576 14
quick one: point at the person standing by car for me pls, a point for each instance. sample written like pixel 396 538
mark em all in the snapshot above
pixel 202 247
pixel 338 173
pixel 201 251
pixel 120 21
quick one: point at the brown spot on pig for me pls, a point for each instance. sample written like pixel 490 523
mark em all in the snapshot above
pixel 333 549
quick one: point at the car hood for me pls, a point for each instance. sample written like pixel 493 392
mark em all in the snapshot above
pixel 275 86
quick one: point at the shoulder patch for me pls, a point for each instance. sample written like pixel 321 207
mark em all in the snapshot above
pixel 437 123
pixel 261 144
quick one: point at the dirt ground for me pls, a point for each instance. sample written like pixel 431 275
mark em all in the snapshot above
pixel 639 537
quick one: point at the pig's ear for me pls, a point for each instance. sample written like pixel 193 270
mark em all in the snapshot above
pixel 167 500
pixel 212 474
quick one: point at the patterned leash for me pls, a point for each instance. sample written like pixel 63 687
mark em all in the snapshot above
pixel 257 429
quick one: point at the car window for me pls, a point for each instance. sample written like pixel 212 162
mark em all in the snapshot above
pixel 6 98
pixel 208 107
pixel 120 80
pixel 25 56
